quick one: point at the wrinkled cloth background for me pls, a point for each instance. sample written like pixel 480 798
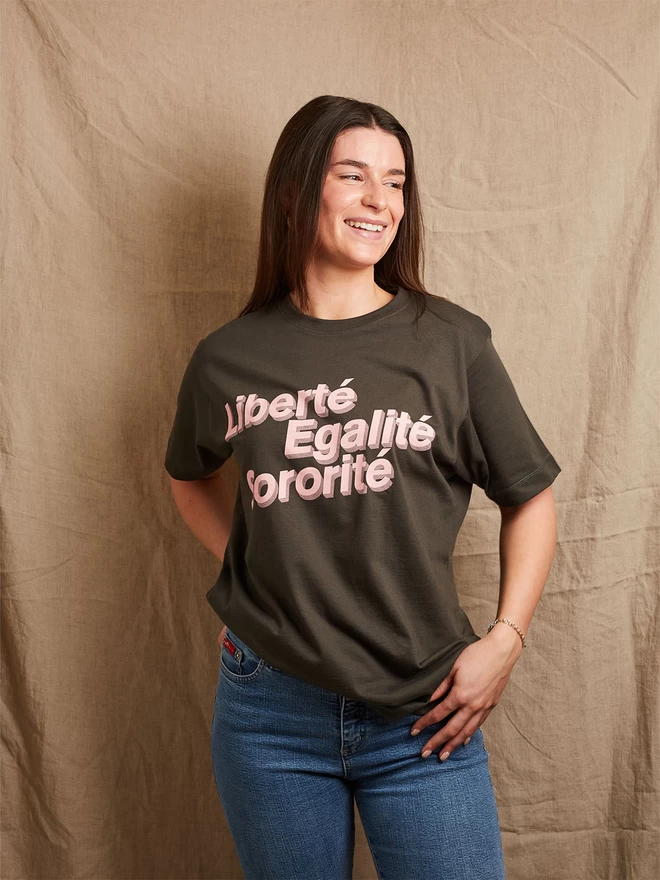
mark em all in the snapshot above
pixel 136 137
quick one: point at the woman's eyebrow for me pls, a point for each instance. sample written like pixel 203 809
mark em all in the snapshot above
pixel 358 164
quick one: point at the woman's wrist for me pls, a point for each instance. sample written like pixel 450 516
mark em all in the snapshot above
pixel 507 637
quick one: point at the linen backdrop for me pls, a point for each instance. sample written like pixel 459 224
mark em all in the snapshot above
pixel 136 137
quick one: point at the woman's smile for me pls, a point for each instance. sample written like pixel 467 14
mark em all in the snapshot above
pixel 366 233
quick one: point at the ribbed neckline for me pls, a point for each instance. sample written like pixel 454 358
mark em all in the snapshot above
pixel 342 325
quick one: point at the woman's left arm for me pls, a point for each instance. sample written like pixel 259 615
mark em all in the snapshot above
pixel 528 536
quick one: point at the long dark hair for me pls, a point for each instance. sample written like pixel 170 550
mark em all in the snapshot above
pixel 294 183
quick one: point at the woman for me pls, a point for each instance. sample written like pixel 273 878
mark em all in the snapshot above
pixel 361 410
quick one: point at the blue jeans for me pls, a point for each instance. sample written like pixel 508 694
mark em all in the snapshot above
pixel 290 757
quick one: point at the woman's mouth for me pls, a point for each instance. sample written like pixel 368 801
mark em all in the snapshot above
pixel 367 233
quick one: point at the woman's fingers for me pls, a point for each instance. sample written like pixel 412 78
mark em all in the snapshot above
pixel 455 733
pixel 446 746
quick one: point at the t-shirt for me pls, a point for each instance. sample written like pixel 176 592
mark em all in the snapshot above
pixel 357 442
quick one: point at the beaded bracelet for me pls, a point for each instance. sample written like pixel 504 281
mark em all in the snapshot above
pixel 511 623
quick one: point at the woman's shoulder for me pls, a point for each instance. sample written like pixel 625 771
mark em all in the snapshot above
pixel 457 315
pixel 454 323
pixel 237 332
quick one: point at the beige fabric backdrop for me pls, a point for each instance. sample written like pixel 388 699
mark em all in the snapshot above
pixel 135 141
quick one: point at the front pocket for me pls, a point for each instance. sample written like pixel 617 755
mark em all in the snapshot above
pixel 237 660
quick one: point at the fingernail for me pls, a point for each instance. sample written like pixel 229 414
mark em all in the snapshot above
pixel 426 753
pixel 466 741
pixel 444 756
pixel 414 732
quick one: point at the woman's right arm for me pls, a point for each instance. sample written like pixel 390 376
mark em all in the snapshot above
pixel 206 506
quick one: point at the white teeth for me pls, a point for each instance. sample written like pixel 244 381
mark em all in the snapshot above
pixel 370 227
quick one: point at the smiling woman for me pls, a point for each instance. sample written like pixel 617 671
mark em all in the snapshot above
pixel 361 162
pixel 361 410
pixel 358 219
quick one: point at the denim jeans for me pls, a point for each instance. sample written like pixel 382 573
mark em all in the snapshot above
pixel 289 758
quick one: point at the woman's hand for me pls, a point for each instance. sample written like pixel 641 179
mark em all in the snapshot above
pixel 221 637
pixel 476 681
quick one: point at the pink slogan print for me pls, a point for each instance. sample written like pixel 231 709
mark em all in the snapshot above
pixel 325 444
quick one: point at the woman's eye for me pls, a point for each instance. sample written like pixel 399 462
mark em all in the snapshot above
pixel 357 177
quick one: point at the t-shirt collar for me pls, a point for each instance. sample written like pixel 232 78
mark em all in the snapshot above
pixel 342 325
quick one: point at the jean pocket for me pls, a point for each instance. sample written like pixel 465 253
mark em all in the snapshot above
pixel 237 659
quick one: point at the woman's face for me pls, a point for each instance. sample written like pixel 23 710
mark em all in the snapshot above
pixel 373 192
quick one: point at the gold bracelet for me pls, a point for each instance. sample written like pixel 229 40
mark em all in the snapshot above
pixel 511 623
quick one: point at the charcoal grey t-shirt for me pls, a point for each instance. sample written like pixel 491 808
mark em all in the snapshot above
pixel 357 441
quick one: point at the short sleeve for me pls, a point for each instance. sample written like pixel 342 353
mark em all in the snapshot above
pixel 498 447
pixel 196 446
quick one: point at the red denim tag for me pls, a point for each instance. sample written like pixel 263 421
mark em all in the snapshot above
pixel 229 645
